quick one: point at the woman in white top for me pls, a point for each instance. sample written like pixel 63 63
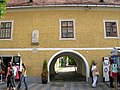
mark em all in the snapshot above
pixel 95 77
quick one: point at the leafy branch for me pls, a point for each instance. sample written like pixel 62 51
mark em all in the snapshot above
pixel 2 7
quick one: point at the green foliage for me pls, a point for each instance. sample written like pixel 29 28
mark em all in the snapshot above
pixel 44 65
pixel 71 61
pixel 2 7
pixel 44 74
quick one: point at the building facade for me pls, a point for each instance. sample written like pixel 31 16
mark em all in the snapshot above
pixel 45 31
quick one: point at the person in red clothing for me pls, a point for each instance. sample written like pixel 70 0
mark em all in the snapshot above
pixel 111 79
pixel 9 77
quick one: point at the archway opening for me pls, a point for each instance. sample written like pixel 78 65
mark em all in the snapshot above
pixel 68 66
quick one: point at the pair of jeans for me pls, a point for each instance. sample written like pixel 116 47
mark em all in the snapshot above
pixel 24 78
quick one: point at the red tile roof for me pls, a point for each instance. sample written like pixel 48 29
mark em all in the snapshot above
pixel 60 2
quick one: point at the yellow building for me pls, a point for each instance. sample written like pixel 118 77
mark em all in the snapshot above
pixel 49 30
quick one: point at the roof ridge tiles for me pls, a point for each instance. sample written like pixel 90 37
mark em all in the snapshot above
pixel 60 2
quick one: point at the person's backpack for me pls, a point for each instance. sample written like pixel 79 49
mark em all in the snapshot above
pixel 11 71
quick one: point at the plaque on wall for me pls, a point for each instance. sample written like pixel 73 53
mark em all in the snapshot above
pixel 35 37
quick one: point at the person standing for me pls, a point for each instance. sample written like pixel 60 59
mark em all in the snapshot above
pixel 10 77
pixel 23 77
pixel 111 79
pixel 91 72
pixel 94 69
pixel 15 71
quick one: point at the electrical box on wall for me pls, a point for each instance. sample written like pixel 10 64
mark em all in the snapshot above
pixel 35 37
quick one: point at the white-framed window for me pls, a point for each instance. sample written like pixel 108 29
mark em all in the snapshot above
pixel 67 29
pixel 111 29
pixel 6 29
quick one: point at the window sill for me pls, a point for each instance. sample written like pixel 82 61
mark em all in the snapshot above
pixel 67 39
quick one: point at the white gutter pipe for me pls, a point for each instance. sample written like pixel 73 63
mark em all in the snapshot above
pixel 66 5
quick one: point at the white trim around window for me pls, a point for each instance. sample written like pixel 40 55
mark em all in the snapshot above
pixel 60 38
pixel 12 21
pixel 104 21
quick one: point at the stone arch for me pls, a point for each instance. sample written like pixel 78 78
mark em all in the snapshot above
pixel 69 51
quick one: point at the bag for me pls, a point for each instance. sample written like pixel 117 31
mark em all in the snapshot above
pixel 11 71
pixel 97 73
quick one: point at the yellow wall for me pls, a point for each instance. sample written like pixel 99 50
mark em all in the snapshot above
pixel 89 34
pixel 89 28
pixel 33 61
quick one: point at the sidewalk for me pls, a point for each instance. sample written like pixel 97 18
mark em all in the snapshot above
pixel 35 84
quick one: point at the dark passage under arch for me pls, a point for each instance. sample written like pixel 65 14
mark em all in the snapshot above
pixel 64 74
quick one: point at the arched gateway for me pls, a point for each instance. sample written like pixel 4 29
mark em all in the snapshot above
pixel 75 53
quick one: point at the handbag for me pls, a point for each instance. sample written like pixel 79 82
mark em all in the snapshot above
pixel 97 73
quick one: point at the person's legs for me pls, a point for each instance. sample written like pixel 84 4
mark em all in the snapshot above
pixel 19 85
pixel 8 82
pixel 111 82
pixel 25 82
pixel 94 81
pixel 13 82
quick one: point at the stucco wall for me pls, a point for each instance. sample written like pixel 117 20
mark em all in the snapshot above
pixel 89 28
pixel 89 34
pixel 33 61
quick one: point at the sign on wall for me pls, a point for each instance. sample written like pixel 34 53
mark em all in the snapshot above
pixel 35 37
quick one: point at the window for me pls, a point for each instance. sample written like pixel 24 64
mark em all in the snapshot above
pixel 111 28
pixel 6 30
pixel 67 29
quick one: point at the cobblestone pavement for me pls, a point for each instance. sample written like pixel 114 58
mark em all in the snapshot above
pixel 62 86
